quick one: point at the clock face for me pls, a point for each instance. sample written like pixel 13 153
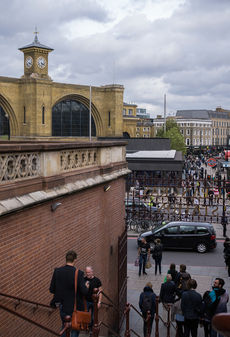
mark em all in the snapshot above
pixel 29 62
pixel 41 62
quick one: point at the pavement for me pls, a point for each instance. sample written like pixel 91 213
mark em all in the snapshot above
pixel 204 275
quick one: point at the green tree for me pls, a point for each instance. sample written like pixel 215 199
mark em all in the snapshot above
pixel 174 134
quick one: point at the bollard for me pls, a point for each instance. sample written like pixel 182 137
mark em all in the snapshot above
pixel 148 319
pixel 96 326
pixel 67 326
pixel 157 317
pixel 127 311
pixel 168 320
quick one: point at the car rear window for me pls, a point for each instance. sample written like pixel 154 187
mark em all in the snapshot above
pixel 202 230
pixel 187 229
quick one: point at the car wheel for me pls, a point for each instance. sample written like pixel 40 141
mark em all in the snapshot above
pixel 201 247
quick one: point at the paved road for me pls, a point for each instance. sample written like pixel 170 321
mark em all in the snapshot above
pixel 213 258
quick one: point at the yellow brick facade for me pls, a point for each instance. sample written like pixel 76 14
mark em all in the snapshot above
pixel 25 99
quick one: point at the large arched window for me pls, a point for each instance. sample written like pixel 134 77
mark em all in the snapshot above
pixel 70 118
pixel 4 123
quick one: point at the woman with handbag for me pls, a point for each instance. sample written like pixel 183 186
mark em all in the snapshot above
pixel 157 255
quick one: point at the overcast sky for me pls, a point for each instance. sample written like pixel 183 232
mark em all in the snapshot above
pixel 180 48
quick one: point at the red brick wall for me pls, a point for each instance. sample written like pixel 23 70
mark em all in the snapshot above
pixel 34 241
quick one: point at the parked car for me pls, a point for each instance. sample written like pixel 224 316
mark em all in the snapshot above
pixel 140 210
pixel 183 235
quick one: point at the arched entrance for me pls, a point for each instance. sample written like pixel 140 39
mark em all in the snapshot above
pixel 70 118
pixel 4 124
pixel 126 135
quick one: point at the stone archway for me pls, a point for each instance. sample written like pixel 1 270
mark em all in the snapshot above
pixel 85 101
pixel 9 113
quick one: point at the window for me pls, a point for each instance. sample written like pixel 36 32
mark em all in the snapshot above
pixel 109 119
pixel 202 230
pixel 187 229
pixel 124 111
pixel 24 115
pixel 187 131
pixel 182 131
pixel 171 230
pixel 71 118
pixel 130 112
pixel 43 115
pixel 187 141
pixel 138 129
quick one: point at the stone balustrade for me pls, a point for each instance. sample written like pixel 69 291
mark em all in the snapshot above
pixel 37 171
pixel 18 165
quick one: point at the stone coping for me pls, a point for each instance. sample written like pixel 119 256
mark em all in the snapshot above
pixel 30 199
pixel 16 146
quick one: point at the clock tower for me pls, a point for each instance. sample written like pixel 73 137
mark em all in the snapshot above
pixel 36 59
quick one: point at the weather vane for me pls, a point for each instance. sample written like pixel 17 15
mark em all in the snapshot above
pixel 36 34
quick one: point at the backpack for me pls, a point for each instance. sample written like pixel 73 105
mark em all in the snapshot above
pixel 211 301
pixel 147 302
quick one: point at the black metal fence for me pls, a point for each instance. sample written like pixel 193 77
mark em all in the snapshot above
pixel 150 200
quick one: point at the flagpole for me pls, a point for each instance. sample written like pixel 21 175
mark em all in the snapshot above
pixel 90 112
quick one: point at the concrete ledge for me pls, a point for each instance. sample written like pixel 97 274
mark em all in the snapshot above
pixel 27 200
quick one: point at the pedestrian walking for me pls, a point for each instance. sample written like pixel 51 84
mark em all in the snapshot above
pixel 215 302
pixel 182 279
pixel 224 222
pixel 173 272
pixel 143 253
pixel 210 197
pixel 63 287
pixel 157 255
pixel 147 302
pixel 178 316
pixel 191 306
pixel 94 283
pixel 167 295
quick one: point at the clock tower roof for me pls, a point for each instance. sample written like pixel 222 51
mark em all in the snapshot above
pixel 36 44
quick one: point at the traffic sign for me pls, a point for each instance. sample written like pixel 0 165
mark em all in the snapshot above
pixel 212 162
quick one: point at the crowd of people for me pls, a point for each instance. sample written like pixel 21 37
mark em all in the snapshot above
pixel 178 291
pixel 62 287
pixel 188 307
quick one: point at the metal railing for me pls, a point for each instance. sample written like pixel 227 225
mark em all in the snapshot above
pixel 96 323
pixel 37 304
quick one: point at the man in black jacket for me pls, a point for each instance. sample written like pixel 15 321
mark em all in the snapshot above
pixel 191 306
pixel 63 287
pixel 167 295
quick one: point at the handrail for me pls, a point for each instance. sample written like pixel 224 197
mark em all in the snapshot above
pixel 107 297
pixel 110 329
pixel 134 332
pixel 26 301
pixel 29 320
pixel 138 312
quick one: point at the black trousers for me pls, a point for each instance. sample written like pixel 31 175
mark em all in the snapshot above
pixel 157 263
pixel 190 325
pixel 180 328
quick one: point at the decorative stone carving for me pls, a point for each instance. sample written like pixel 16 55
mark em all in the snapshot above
pixel 14 166
pixel 72 159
